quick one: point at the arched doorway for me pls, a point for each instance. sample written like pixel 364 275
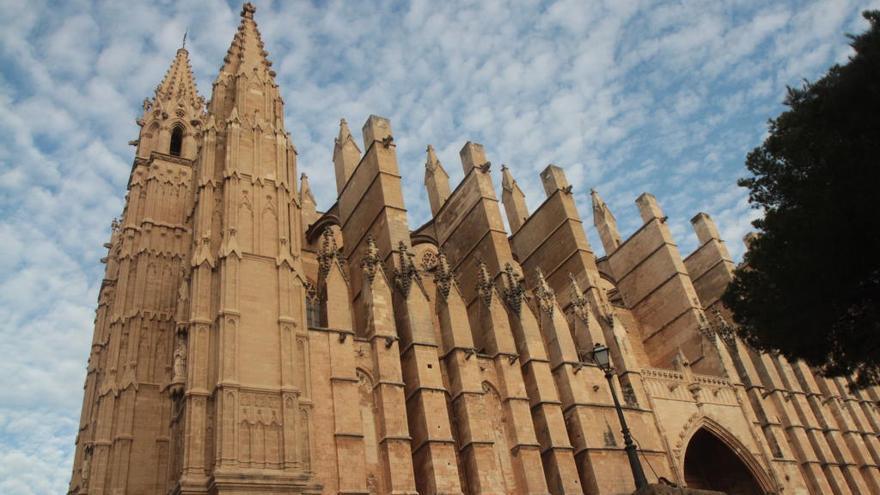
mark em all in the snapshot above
pixel 710 464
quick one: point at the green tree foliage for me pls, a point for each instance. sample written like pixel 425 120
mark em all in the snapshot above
pixel 809 286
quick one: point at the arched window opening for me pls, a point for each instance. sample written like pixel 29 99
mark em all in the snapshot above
pixel 313 306
pixel 176 141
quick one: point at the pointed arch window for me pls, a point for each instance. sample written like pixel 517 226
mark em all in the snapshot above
pixel 176 141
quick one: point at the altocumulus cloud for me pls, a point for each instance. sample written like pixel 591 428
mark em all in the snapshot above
pixel 626 95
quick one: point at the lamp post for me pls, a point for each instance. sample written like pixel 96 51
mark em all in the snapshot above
pixel 602 358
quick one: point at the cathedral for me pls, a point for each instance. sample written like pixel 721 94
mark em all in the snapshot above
pixel 247 343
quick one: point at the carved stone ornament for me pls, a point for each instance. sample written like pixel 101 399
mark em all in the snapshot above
pixel 514 289
pixel 371 262
pixel 328 252
pixel 429 261
pixel 407 273
pixel 706 330
pixel 443 277
pixel 485 285
pixel 579 304
pixel 724 329
pixel 545 295
pixel 311 291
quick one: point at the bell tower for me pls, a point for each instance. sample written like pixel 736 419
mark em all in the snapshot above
pixel 140 320
pixel 246 408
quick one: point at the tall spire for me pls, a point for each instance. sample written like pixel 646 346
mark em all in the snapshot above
pixel 605 223
pixel 514 200
pixel 436 181
pixel 346 155
pixel 246 81
pixel 179 84
pixel 173 114
pixel 246 54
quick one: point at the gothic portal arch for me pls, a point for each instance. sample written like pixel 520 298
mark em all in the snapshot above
pixel 715 460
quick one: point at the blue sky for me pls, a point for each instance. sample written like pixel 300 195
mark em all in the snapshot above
pixel 626 95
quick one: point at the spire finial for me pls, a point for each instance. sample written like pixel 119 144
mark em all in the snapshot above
pixel 605 223
pixel 183 45
pixel 344 133
pixel 247 10
pixel 514 200
pixel 431 162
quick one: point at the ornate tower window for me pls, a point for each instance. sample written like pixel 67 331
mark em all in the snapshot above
pixel 313 306
pixel 176 141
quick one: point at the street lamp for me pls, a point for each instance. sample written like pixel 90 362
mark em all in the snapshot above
pixel 602 358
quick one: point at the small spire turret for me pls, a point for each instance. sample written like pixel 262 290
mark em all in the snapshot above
pixel 172 117
pixel 307 199
pixel 605 223
pixel 346 155
pixel 514 200
pixel 436 181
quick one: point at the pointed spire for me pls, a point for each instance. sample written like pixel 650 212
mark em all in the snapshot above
pixel 436 181
pixel 246 54
pixel 307 200
pixel 305 190
pixel 514 200
pixel 178 85
pixel 605 223
pixel 175 104
pixel 346 155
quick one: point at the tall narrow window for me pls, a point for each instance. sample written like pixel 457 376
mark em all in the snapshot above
pixel 313 312
pixel 176 140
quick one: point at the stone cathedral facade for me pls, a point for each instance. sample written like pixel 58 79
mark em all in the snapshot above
pixel 246 343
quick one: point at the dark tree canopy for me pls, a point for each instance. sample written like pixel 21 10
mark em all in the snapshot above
pixel 809 286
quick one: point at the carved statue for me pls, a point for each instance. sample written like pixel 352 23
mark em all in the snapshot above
pixel 179 363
